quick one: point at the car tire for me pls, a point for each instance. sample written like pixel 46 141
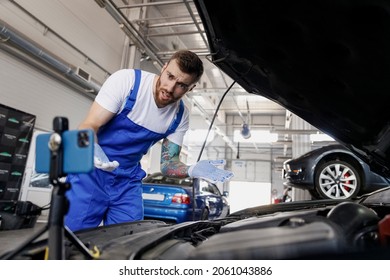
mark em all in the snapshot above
pixel 337 180
pixel 205 214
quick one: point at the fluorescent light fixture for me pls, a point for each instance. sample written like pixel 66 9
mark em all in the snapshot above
pixel 257 136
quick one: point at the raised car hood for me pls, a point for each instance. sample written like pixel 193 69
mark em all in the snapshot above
pixel 326 61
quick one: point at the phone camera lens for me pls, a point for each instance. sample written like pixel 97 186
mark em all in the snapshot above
pixel 83 139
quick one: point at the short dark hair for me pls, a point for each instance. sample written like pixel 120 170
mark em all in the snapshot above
pixel 189 63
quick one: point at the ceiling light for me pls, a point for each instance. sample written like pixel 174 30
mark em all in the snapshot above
pixel 245 131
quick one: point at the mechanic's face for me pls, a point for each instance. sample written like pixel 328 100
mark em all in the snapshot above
pixel 172 84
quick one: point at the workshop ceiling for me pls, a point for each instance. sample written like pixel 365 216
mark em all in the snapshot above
pixel 159 28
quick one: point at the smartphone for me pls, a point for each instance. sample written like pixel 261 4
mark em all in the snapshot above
pixel 78 151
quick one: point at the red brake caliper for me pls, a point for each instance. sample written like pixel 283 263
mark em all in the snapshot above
pixel 347 182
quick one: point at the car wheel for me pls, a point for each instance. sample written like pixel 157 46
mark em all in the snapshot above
pixel 205 214
pixel 337 180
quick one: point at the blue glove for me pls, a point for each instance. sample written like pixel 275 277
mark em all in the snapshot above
pixel 207 170
pixel 101 160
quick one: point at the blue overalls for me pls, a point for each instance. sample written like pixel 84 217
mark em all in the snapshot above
pixel 116 196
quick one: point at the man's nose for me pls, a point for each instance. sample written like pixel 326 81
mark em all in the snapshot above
pixel 171 86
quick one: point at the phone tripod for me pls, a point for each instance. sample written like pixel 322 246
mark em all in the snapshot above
pixel 59 204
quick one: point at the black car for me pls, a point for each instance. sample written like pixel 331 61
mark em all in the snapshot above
pixel 332 172
pixel 326 61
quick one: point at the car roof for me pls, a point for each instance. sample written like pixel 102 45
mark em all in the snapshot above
pixel 159 178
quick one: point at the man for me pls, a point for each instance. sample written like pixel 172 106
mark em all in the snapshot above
pixel 133 110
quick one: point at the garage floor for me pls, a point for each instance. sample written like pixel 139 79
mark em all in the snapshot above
pixel 10 239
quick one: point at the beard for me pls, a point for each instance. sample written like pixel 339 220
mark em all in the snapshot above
pixel 163 97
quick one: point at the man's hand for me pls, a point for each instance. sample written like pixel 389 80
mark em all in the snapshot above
pixel 207 170
pixel 101 160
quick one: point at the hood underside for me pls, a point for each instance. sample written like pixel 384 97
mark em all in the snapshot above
pixel 326 61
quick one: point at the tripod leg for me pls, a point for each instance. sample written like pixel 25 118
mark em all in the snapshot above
pixel 57 229
pixel 56 223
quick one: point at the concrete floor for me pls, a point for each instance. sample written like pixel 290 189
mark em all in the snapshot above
pixel 11 239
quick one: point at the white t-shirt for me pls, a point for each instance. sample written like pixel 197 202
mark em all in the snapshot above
pixel 113 95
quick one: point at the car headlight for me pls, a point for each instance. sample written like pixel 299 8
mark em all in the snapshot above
pixel 296 171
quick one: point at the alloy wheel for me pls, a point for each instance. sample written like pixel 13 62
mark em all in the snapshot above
pixel 337 180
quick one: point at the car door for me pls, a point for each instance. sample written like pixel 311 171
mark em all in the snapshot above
pixel 212 197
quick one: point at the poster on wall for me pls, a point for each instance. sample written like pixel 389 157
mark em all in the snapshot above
pixel 16 129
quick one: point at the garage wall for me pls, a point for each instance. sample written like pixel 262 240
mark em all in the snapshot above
pixel 252 171
pixel 86 37
pixel 248 194
pixel 25 88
